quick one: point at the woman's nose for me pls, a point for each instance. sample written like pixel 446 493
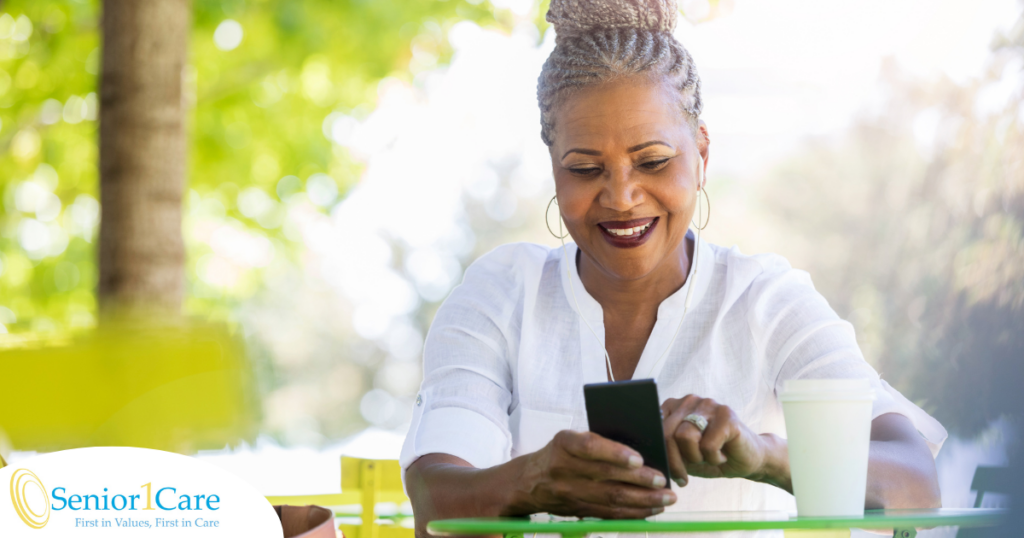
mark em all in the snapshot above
pixel 621 192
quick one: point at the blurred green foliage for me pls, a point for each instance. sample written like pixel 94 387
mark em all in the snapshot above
pixel 257 109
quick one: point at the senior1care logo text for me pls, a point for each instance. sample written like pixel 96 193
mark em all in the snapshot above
pixel 129 492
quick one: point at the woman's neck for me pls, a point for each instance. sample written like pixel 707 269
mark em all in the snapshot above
pixel 633 297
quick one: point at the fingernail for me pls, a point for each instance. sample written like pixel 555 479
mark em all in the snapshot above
pixel 635 461
pixel 658 482
pixel 681 482
pixel 656 511
pixel 667 499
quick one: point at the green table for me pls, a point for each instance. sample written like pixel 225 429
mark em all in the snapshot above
pixel 904 522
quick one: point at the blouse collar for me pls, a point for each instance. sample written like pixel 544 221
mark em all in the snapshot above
pixel 671 307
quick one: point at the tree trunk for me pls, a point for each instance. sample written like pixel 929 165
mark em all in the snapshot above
pixel 142 156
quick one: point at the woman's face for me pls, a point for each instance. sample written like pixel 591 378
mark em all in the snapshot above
pixel 626 163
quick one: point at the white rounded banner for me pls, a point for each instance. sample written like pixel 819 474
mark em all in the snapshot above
pixel 120 491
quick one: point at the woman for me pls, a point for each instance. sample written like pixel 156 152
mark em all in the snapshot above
pixel 499 427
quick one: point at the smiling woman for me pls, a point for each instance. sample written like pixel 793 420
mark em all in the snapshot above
pixel 500 425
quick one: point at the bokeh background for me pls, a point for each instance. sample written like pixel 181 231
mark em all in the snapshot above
pixel 348 160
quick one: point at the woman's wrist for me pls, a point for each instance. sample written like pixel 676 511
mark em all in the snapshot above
pixel 517 474
pixel 775 466
pixel 443 487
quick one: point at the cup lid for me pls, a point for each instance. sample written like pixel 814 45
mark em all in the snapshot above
pixel 826 385
pixel 827 389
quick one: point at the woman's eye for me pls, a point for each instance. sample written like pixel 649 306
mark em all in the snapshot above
pixel 585 170
pixel 653 165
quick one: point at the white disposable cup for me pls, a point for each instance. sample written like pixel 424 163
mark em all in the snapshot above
pixel 828 426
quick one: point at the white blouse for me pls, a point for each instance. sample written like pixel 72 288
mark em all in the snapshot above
pixel 506 359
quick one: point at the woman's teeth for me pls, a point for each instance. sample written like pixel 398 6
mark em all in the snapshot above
pixel 627 232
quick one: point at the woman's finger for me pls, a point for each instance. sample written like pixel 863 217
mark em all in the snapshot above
pixel 688 437
pixel 617 494
pixel 673 412
pixel 591 446
pixel 670 421
pixel 668 406
pixel 719 427
pixel 598 470
pixel 675 461
pixel 583 509
pixel 718 432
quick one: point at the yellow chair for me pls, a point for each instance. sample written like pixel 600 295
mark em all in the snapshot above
pixel 364 484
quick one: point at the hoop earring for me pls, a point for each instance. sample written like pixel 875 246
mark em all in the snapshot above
pixel 708 219
pixel 548 224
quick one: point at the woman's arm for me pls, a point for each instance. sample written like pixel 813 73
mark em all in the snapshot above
pixel 901 471
pixel 577 474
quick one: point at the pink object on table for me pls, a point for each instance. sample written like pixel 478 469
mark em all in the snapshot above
pixel 306 521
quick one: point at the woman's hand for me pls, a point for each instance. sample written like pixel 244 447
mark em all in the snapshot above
pixel 726 448
pixel 584 474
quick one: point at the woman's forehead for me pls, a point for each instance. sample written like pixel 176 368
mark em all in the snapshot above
pixel 620 112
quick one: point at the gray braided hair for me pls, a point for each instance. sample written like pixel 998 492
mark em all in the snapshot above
pixel 602 40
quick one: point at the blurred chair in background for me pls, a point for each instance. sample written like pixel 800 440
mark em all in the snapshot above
pixel 372 502
pixel 180 388
pixel 990 480
pixel 987 480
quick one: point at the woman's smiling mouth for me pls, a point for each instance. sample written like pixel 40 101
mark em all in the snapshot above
pixel 628 234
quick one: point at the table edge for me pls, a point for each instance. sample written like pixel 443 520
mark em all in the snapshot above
pixel 982 518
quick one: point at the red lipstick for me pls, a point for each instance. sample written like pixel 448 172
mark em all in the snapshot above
pixel 628 233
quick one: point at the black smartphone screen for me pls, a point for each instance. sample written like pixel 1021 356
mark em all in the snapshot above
pixel 627 412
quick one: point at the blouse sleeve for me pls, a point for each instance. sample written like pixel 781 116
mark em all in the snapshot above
pixel 801 337
pixel 463 405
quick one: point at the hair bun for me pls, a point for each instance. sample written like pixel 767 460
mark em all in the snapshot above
pixel 578 16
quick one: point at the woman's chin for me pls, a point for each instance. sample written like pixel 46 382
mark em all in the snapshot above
pixel 627 269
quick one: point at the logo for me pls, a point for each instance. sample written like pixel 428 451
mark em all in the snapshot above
pixel 23 482
pixel 121 492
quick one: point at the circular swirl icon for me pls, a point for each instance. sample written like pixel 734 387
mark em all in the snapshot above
pixel 21 481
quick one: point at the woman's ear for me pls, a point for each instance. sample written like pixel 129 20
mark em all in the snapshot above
pixel 703 143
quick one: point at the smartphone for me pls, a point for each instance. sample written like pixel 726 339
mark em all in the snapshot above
pixel 627 412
